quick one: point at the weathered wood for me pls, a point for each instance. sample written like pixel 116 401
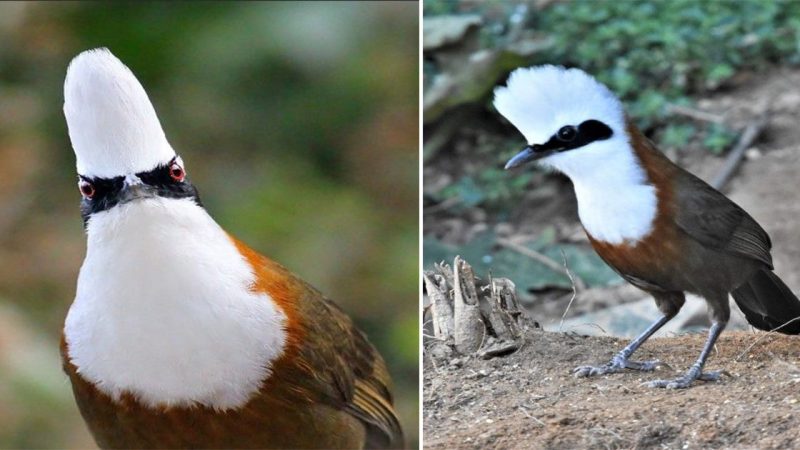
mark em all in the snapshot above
pixel 470 330
pixel 444 270
pixel 483 319
pixel 441 309
pixel 506 309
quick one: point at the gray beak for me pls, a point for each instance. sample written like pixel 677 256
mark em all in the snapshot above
pixel 133 189
pixel 529 153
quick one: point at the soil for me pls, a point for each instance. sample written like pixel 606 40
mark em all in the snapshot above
pixel 530 400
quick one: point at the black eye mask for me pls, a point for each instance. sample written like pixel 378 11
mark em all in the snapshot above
pixel 567 138
pixel 109 192
pixel 570 137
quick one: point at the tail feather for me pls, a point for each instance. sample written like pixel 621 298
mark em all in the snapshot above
pixel 768 304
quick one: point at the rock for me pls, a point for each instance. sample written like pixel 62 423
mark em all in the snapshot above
pixel 441 31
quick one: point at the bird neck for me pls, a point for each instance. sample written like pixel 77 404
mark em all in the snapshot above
pixel 165 309
pixel 618 199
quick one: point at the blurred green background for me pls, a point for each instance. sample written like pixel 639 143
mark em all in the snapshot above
pixel 298 122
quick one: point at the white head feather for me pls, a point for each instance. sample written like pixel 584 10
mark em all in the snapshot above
pixel 540 100
pixel 112 124
pixel 616 202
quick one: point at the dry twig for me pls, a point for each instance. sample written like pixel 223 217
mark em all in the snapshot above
pixel 574 291
pixel 768 333
pixel 696 114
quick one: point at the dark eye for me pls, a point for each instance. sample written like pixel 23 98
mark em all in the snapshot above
pixel 176 172
pixel 86 188
pixel 567 133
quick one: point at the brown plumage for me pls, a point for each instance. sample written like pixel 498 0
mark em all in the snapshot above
pixel 700 242
pixel 330 388
pixel 660 227
pixel 694 226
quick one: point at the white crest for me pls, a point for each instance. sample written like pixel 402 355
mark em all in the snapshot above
pixel 112 124
pixel 616 202
pixel 540 100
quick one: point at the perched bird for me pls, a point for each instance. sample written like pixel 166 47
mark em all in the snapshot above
pixel 661 228
pixel 179 334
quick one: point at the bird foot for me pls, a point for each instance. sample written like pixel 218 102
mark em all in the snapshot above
pixel 686 380
pixel 617 364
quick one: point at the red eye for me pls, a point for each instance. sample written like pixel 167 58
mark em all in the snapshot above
pixel 176 172
pixel 86 188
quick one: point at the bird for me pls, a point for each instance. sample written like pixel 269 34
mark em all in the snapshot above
pixel 180 335
pixel 661 228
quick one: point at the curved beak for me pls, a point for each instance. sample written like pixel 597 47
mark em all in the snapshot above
pixel 529 153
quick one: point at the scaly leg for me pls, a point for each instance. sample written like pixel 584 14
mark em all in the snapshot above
pixel 620 361
pixel 695 372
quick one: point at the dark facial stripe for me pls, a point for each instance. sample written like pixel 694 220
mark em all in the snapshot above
pixel 586 133
pixel 158 182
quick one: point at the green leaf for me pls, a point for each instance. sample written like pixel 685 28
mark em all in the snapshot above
pixel 718 74
pixel 718 139
pixel 677 135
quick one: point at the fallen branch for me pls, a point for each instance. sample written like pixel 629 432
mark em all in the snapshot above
pixel 577 282
pixel 443 205
pixel 695 114
pixel 751 132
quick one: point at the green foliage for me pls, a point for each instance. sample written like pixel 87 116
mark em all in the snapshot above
pixel 491 187
pixel 718 138
pixel 677 135
pixel 660 52
pixel 438 7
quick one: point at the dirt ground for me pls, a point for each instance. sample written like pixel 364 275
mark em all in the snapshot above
pixel 530 400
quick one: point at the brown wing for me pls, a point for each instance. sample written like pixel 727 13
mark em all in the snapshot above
pixel 714 220
pixel 354 368
pixel 362 378
pixel 343 370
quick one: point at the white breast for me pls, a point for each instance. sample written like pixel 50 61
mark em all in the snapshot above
pixel 164 309
pixel 616 202
pixel 619 215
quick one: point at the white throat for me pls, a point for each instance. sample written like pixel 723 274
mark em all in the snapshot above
pixel 164 309
pixel 616 202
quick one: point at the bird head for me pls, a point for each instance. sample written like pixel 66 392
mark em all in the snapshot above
pixel 122 154
pixel 572 123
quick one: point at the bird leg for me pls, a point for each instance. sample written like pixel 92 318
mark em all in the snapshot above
pixel 620 361
pixel 695 372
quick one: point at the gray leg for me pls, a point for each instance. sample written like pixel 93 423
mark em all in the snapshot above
pixel 669 303
pixel 620 361
pixel 695 372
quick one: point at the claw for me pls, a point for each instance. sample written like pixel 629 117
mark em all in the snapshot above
pixel 590 371
pixel 617 364
pixel 686 380
pixel 647 366
pixel 714 375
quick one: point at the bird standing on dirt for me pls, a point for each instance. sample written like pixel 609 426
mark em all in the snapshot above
pixel 181 336
pixel 661 228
